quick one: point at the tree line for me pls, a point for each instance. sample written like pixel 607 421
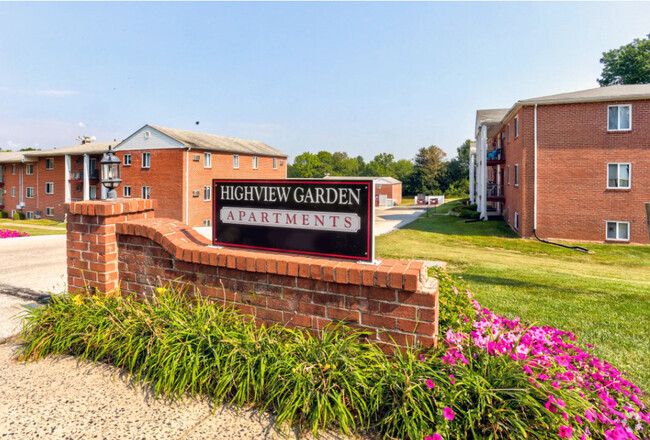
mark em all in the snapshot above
pixel 429 172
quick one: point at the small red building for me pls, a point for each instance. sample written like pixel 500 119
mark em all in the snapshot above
pixel 388 190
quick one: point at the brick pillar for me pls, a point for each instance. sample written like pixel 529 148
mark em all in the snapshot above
pixel 92 242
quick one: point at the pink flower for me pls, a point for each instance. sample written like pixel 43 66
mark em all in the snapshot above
pixel 565 431
pixel 590 415
pixel 430 384
pixel 449 413
pixel 435 436
pixel 578 419
pixel 452 379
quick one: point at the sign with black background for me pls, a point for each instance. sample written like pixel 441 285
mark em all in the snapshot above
pixel 332 218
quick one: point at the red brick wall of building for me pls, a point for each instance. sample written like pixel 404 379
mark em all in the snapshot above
pixel 391 191
pixel 11 181
pixel 574 148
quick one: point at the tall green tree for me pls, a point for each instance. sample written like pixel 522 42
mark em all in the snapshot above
pixel 629 64
pixel 306 165
pixel 428 170
pixel 381 165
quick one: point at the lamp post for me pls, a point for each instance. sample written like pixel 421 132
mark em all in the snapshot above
pixel 110 173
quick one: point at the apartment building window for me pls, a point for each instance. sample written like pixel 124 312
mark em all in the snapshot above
pixel 508 132
pixel 255 162
pixel 508 174
pixel 516 225
pixel 146 160
pixel 207 222
pixel 29 215
pixel 126 191
pixel 275 163
pixel 49 211
pixel 13 169
pixel 146 192
pixel 49 187
pixel 516 127
pixel 618 175
pixel 619 231
pixel 29 169
pixel 207 194
pixel 235 160
pixel 127 160
pixel 516 174
pixel 207 160
pixel 13 191
pixel 49 164
pixel 619 117
pixel 29 192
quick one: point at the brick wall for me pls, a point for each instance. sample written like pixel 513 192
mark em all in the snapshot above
pixel 574 148
pixel 121 243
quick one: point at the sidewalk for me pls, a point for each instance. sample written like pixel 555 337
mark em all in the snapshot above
pixel 61 399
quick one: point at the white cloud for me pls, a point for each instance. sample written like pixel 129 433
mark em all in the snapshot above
pixel 55 93
pixel 13 145
pixel 81 124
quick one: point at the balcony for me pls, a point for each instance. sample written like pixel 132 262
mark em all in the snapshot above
pixel 78 176
pixel 496 156
pixel 495 193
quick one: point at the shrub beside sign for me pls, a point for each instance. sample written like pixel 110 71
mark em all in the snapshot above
pixel 330 218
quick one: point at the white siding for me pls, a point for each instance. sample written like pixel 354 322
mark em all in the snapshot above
pixel 155 141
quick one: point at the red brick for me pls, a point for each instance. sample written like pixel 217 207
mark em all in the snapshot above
pixel 373 320
pixel 297 320
pixel 411 326
pixel 398 310
pixel 343 314
pixel 418 299
pixel 311 309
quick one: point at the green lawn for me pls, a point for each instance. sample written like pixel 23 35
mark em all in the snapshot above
pixel 53 227
pixel 604 297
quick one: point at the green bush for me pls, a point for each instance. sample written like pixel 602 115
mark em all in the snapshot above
pixel 18 216
pixel 4 214
pixel 472 207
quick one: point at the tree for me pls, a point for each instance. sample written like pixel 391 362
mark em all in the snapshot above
pixel 306 165
pixel 381 165
pixel 629 64
pixel 428 170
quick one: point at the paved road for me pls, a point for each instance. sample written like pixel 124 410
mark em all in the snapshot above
pixel 30 267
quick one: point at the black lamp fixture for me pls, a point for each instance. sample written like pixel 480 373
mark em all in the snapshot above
pixel 111 173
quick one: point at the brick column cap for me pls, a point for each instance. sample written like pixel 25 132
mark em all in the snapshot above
pixel 105 208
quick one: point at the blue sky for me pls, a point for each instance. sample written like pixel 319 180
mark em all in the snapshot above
pixel 363 78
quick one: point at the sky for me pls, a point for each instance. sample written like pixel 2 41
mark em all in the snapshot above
pixel 364 78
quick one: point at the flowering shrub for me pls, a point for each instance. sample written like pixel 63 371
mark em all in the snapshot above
pixel 585 397
pixel 10 233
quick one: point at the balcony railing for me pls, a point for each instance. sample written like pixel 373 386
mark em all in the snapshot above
pixel 79 175
pixel 495 191
pixel 496 155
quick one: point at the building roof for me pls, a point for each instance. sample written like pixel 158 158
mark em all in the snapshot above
pixel 491 116
pixel 391 180
pixel 214 142
pixel 12 156
pixel 609 93
pixel 89 148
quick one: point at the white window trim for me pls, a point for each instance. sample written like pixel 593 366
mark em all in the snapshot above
pixel 27 167
pixel 618 178
pixel 49 183
pixel 207 222
pixel 235 161
pixel 13 169
pixel 508 175
pixel 207 157
pixel 515 221
pixel 617 223
pixel 209 189
pixel 27 188
pixel 13 191
pixel 148 155
pixel 51 210
pixel 516 175
pixel 52 159
pixel 275 163
pixel 619 118
pixel 29 215
pixel 124 191
pixel 256 162
pixel 130 159
pixel 516 124
pixel 149 191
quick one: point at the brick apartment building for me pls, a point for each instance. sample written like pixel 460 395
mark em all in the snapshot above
pixel 174 166
pixel 388 190
pixel 573 166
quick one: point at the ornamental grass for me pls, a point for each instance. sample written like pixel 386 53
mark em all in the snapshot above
pixel 491 378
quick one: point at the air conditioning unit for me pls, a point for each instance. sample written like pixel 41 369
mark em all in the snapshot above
pixel 196 157
pixel 21 205
pixel 196 193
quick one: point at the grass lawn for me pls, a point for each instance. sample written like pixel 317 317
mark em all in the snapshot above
pixel 53 227
pixel 604 297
